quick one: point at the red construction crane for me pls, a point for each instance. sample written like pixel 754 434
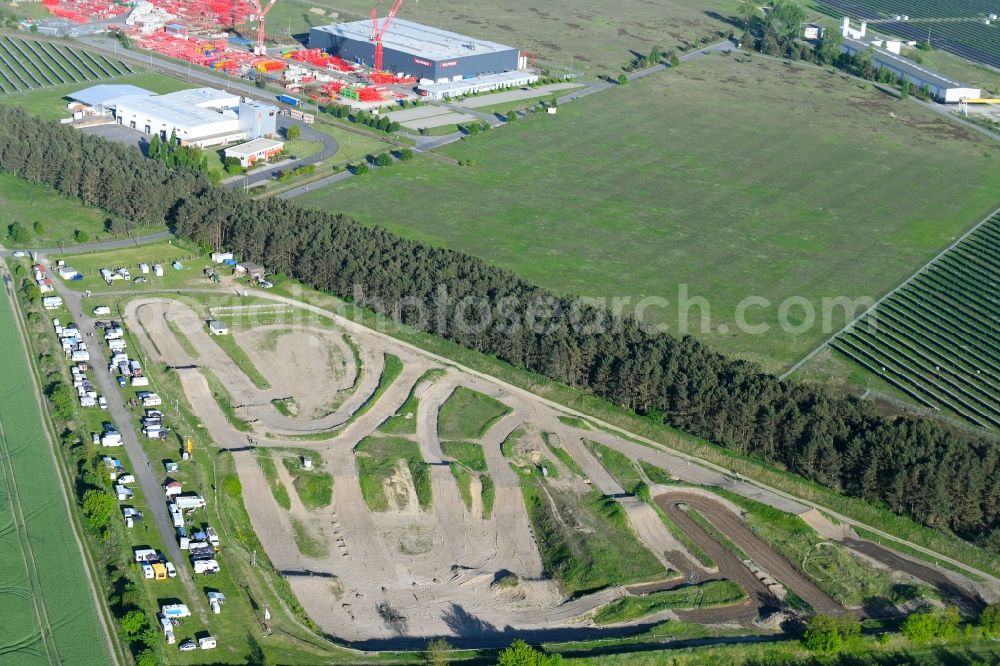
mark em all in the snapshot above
pixel 378 31
pixel 260 50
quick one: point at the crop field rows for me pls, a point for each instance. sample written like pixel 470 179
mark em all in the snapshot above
pixel 49 614
pixel 936 339
pixel 29 65
pixel 969 39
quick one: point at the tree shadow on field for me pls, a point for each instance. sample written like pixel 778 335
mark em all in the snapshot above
pixel 734 21
pixel 465 624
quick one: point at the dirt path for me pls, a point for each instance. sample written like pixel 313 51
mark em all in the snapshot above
pixel 723 519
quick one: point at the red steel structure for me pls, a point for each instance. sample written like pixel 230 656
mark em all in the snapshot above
pixel 378 31
pixel 260 50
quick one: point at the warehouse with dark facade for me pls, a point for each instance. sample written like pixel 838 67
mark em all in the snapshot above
pixel 416 50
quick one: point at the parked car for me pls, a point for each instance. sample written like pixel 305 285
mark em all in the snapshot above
pixel 19 254
pixel 140 280
pixel 187 646
pixel 122 382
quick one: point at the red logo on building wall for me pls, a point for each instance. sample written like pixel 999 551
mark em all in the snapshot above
pixel 421 62
pixel 450 63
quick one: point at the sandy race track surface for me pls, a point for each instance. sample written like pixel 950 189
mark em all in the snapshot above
pixel 393 578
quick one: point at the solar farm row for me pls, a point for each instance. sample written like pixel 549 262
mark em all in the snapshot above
pixel 28 65
pixel 970 39
pixel 938 338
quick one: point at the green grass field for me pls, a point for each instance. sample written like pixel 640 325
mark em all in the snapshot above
pixel 468 414
pixel 378 459
pixel 706 595
pixel 29 204
pixel 597 36
pixel 164 253
pixel 585 542
pixel 314 488
pixel 735 179
pixel 48 605
pixel 50 103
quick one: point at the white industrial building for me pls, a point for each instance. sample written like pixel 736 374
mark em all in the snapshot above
pixel 479 84
pixel 199 117
pixel 886 55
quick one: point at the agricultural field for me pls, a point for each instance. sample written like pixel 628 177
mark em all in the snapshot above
pixel 31 64
pixel 48 602
pixel 935 339
pixel 971 39
pixel 596 38
pixel 772 198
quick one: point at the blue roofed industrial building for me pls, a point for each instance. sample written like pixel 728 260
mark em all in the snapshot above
pixel 417 50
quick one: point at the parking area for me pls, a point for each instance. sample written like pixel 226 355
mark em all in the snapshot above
pixel 117 133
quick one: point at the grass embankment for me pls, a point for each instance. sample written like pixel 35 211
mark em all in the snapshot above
pixel 470 460
pixel 404 421
pixel 314 488
pixel 509 445
pixel 574 422
pixel 675 531
pixel 593 218
pixel 618 465
pixel 468 414
pixel 391 370
pixel 706 595
pixel 239 356
pixel 723 540
pixel 183 340
pixel 308 543
pixel 378 461
pixel 270 471
pixel 287 407
pixel 563 455
pixel 224 400
pixel 656 474
pixel 585 542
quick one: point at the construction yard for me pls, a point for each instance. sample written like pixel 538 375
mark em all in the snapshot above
pixel 402 498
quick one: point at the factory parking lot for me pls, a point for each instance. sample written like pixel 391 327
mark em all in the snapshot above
pixel 117 133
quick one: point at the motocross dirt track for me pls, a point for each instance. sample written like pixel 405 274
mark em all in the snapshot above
pixel 394 578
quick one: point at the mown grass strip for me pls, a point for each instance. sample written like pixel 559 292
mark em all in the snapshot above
pixel 270 471
pixel 224 400
pixel 391 370
pixel 239 357
pixel 315 489
pixel 710 594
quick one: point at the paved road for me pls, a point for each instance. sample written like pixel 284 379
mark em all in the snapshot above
pixel 95 247
pixel 330 148
pixel 149 479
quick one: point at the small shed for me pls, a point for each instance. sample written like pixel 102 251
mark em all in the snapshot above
pixel 216 327
pixel 172 488
pixel 253 271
